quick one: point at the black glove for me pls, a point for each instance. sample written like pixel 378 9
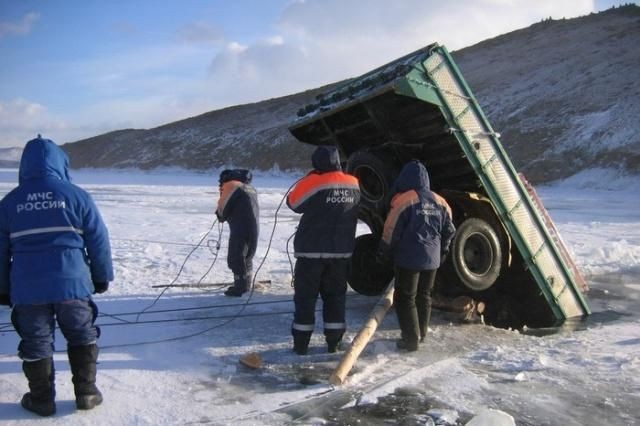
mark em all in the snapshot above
pixel 5 300
pixel 100 287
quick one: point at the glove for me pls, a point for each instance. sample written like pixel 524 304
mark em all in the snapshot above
pixel 5 300
pixel 100 287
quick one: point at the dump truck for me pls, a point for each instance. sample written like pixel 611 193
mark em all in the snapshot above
pixel 505 254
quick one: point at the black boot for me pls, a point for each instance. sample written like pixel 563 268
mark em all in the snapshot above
pixel 405 345
pixel 41 398
pixel 83 367
pixel 332 346
pixel 238 288
pixel 333 341
pixel 301 343
pixel 233 291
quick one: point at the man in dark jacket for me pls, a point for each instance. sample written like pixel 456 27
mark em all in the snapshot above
pixel 417 232
pixel 54 253
pixel 238 204
pixel 328 200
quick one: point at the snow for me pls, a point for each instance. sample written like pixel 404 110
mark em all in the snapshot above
pixel 584 371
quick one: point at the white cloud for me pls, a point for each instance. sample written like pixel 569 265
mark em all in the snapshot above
pixel 324 41
pixel 21 27
pixel 315 42
pixel 21 120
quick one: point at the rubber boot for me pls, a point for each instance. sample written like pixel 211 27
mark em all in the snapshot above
pixel 83 367
pixel 301 343
pixel 41 398
pixel 238 288
pixel 333 341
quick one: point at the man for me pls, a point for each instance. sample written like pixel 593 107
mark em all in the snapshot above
pixel 238 204
pixel 54 253
pixel 328 200
pixel 417 231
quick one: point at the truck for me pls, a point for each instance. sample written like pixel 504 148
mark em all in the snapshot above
pixel 506 253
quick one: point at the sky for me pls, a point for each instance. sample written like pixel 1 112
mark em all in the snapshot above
pixel 79 68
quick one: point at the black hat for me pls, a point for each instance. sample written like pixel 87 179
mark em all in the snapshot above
pixel 242 175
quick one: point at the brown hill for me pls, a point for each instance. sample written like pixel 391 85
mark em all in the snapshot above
pixel 564 94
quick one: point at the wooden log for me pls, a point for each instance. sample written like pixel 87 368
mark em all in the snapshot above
pixel 362 338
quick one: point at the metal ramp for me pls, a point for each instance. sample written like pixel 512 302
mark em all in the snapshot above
pixel 501 182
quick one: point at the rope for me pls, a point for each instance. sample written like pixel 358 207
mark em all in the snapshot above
pixel 181 268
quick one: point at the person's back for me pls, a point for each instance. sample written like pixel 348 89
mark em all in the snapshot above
pixel 417 233
pixel 49 222
pixel 238 205
pixel 54 253
pixel 328 200
pixel 424 217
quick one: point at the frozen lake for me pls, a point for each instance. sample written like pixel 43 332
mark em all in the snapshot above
pixel 587 372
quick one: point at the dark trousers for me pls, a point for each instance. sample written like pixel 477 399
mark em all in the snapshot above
pixel 327 278
pixel 412 301
pixel 35 324
pixel 240 261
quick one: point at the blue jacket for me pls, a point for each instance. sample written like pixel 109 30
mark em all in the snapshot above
pixel 328 200
pixel 418 228
pixel 53 242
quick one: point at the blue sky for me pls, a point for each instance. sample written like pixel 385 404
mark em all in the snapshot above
pixel 72 69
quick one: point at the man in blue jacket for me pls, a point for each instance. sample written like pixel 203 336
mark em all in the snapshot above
pixel 328 200
pixel 238 205
pixel 417 232
pixel 54 253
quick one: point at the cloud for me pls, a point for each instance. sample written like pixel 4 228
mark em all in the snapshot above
pixel 314 42
pixel 21 120
pixel 200 33
pixel 324 41
pixel 23 27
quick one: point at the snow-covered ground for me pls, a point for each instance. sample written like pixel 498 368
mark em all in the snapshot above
pixel 177 363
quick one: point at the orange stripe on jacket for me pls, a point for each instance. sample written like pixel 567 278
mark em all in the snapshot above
pixel 440 200
pixel 227 189
pixel 398 204
pixel 313 183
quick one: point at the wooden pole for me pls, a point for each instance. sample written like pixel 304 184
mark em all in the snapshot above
pixel 362 338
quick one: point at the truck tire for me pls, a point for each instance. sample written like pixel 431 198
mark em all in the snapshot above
pixel 376 177
pixel 366 275
pixel 476 254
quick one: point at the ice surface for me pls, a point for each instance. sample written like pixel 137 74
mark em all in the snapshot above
pixel 583 371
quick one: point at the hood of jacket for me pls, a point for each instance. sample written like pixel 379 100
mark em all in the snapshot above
pixel 414 176
pixel 326 159
pixel 42 158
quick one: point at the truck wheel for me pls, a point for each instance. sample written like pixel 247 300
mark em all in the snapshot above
pixel 376 177
pixel 366 276
pixel 476 254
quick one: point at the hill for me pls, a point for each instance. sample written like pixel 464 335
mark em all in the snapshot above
pixel 563 94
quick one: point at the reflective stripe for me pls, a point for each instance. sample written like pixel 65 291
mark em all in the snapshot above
pixel 323 255
pixel 399 203
pixel 314 183
pixel 303 327
pixel 45 230
pixel 334 325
